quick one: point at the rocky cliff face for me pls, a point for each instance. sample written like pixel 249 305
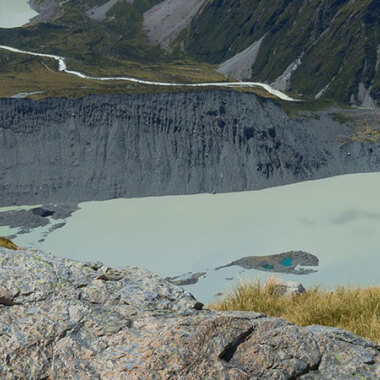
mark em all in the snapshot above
pixel 103 147
pixel 65 319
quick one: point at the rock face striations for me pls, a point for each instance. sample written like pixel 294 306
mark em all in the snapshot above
pixel 103 147
pixel 65 319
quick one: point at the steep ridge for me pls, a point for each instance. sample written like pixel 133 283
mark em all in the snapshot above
pixel 336 42
pixel 102 147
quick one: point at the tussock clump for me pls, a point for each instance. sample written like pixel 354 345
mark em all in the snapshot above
pixel 350 308
pixel 6 243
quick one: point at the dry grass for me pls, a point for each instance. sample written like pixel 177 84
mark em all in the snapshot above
pixel 52 84
pixel 34 74
pixel 178 71
pixel 354 309
pixel 6 243
pixel 366 134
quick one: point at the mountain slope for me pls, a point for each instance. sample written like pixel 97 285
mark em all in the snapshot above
pixel 337 42
pixel 318 48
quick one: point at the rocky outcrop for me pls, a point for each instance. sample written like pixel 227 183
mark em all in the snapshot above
pixel 25 220
pixel 66 319
pixel 284 288
pixel 47 9
pixel 103 147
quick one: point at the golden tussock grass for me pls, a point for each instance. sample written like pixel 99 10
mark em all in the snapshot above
pixel 350 308
pixel 6 243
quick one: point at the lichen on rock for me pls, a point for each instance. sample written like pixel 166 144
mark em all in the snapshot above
pixel 66 319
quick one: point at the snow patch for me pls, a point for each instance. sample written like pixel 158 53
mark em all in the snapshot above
pixel 240 65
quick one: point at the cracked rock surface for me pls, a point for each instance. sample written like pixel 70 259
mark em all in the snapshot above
pixel 66 319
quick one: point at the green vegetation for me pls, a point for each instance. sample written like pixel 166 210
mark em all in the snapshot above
pixel 337 41
pixel 72 34
pixel 363 133
pixel 353 309
pixel 25 73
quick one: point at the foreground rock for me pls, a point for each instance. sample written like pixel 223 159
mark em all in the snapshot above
pixel 65 319
pixel 284 288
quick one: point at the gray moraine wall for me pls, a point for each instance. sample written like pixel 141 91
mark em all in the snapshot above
pixel 104 147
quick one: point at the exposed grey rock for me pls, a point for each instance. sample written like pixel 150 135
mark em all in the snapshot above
pixel 285 288
pixel 166 20
pixel 27 219
pixel 65 319
pixel 282 83
pixel 99 13
pixel 287 262
pixel 102 147
pixel 186 279
pixel 47 9
pixel 240 65
pixel 364 97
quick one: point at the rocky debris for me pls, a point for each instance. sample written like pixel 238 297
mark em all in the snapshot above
pixel 47 9
pixel 66 319
pixel 240 65
pixel 287 262
pixel 284 288
pixel 164 22
pixel 282 82
pixel 27 219
pixel 165 144
pixel 99 13
pixel 186 279
pixel 44 213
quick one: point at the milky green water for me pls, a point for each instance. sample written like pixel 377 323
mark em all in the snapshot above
pixel 14 13
pixel 336 219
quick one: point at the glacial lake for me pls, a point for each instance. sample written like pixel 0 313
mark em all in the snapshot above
pixel 14 13
pixel 335 219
